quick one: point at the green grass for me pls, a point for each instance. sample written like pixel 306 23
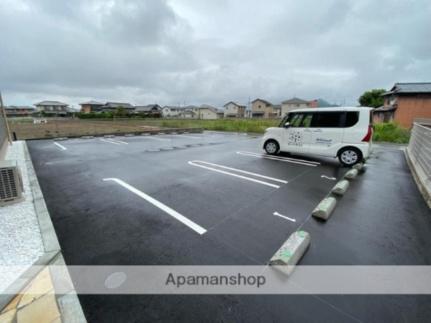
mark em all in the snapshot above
pixel 237 125
pixel 391 132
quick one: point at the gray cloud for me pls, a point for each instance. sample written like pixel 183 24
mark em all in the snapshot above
pixel 198 52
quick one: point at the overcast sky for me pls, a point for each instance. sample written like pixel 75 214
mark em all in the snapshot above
pixel 197 51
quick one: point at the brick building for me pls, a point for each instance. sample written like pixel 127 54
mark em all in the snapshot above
pixel 404 103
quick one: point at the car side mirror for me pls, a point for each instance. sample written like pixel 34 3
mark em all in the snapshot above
pixel 287 124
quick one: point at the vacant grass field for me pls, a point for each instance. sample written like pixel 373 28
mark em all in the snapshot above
pixel 25 129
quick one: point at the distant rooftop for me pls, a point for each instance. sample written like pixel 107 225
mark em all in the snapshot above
pixel 295 101
pixel 44 103
pixel 264 101
pixel 413 87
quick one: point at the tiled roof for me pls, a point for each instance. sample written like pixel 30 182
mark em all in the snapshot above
pixel 417 87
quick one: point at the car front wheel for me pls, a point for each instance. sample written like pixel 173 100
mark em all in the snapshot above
pixel 271 147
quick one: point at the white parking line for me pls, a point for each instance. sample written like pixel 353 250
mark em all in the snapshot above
pixel 192 225
pixel 197 162
pixel 119 141
pixel 327 177
pixel 111 142
pixel 278 158
pixel 242 171
pixel 60 146
pixel 284 217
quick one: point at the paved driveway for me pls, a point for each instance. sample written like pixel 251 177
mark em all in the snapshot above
pixel 214 199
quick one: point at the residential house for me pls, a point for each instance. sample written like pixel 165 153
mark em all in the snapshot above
pixel 91 106
pixel 262 109
pixel 292 104
pixel 20 111
pixel 150 110
pixel 187 112
pixel 53 108
pixel 234 110
pixel 114 106
pixel 206 111
pixel 277 110
pixel 404 103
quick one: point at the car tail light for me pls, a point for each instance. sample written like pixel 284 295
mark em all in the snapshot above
pixel 369 134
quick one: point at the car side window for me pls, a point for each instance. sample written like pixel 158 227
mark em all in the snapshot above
pixel 327 120
pixel 306 120
pixel 295 120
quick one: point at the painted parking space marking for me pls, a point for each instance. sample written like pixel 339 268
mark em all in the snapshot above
pixel 278 158
pixel 284 217
pixel 192 225
pixel 111 142
pixel 206 165
pixel 60 146
pixel 119 141
pixel 242 171
pixel 328 177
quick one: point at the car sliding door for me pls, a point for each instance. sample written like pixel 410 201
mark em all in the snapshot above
pixel 297 135
pixel 327 132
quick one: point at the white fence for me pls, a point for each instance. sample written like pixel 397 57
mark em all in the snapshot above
pixel 419 155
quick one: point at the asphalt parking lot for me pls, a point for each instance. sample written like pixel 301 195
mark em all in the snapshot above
pixel 214 199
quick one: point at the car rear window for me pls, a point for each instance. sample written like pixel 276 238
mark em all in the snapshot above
pixel 352 118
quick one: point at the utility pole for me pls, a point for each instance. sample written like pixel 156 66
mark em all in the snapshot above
pixel 5 120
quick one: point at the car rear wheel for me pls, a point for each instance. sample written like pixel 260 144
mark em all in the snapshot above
pixel 271 147
pixel 349 156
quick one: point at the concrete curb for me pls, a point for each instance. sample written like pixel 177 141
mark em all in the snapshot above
pixel 351 174
pixel 324 209
pixel 341 187
pixel 291 251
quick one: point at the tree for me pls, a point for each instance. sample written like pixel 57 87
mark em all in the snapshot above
pixel 372 98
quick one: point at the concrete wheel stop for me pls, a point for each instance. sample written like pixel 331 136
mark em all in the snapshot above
pixel 351 174
pixel 340 188
pixel 289 254
pixel 324 209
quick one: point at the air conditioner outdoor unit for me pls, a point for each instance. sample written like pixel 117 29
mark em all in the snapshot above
pixel 10 183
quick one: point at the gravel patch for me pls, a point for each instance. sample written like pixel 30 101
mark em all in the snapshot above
pixel 20 238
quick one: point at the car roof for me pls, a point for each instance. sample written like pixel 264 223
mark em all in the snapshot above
pixel 333 109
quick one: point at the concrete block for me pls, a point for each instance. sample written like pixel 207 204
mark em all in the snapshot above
pixel 324 209
pixel 359 167
pixel 289 254
pixel 351 174
pixel 341 187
